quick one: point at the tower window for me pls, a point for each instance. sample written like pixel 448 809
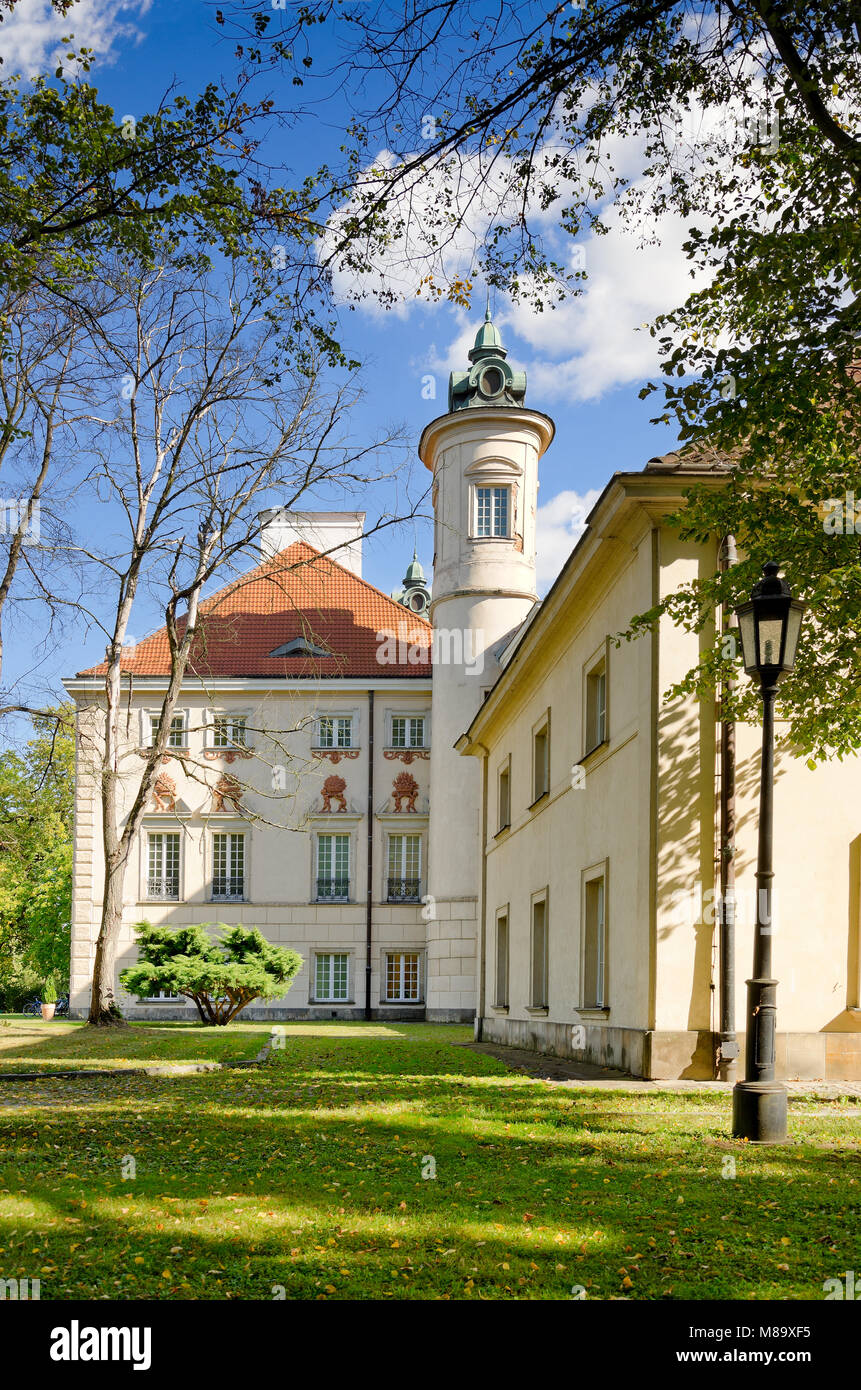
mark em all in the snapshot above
pixel 492 511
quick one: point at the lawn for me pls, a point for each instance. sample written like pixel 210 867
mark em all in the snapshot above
pixel 29 1044
pixel 384 1161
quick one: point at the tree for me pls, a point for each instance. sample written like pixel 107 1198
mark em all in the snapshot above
pixel 36 819
pixel 201 414
pixel 221 976
pixel 741 117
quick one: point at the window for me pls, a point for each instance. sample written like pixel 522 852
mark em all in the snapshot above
pixel 230 731
pixel 504 797
pixel 539 954
pixel 163 865
pixel 228 867
pixel 403 977
pixel 335 731
pixel 594 943
pixel 596 705
pixel 491 511
pixel 331 977
pixel 162 997
pixel 333 868
pixel 405 868
pixel 541 761
pixel 408 731
pixel 176 733
pixel 501 1000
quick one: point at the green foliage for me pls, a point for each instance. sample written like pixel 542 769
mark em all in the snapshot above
pixel 49 991
pixel 36 815
pixel 220 974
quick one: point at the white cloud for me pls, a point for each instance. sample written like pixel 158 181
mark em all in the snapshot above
pixel 561 522
pixel 31 36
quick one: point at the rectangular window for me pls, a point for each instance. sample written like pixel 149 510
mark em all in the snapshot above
pixel 335 731
pixel 596 705
pixel 501 1000
pixel 333 868
pixel 176 734
pixel 539 954
pixel 331 977
pixel 230 731
pixel 491 511
pixel 541 762
pixel 403 977
pixel 228 867
pixel 594 944
pixel 408 731
pixel 504 798
pixel 163 865
pixel 405 868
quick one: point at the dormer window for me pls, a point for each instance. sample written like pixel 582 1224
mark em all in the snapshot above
pixel 300 646
pixel 492 511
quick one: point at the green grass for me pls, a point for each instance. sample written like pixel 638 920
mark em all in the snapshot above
pixel 307 1174
pixel 30 1044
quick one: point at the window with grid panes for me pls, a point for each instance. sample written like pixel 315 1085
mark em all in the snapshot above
pixel 163 865
pixel 405 868
pixel 335 731
pixel 333 866
pixel 228 866
pixel 408 731
pixel 176 733
pixel 331 976
pixel 403 976
pixel 491 511
pixel 229 731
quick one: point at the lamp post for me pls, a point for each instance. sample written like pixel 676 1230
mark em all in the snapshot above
pixel 769 625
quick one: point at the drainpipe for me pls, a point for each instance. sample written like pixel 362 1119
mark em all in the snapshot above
pixel 482 903
pixel 369 919
pixel 728 1052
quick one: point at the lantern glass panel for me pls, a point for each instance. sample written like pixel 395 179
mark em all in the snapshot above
pixel 770 635
pixel 747 633
pixel 793 628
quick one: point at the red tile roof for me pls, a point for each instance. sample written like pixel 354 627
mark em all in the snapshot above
pixel 296 593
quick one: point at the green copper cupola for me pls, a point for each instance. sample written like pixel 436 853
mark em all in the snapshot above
pixel 490 381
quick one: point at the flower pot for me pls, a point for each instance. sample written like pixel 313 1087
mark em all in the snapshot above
pixel 48 1011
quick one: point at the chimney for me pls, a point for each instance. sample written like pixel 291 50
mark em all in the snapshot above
pixel 338 533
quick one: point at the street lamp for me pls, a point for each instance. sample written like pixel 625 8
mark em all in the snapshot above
pixel 769 626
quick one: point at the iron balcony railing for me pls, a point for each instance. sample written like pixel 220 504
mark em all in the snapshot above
pixel 162 887
pixel 404 890
pixel 331 889
pixel 228 890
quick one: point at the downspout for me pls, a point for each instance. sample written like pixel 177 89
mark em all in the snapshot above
pixel 369 917
pixel 728 1050
pixel 482 901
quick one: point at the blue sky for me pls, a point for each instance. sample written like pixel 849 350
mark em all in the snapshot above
pixel 585 362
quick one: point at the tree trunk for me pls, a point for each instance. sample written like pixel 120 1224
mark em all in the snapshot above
pixel 104 1010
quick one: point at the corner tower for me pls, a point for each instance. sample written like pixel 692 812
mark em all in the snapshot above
pixel 484 459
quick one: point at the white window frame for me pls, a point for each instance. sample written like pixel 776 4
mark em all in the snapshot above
pixel 596 729
pixel 230 835
pixel 152 716
pixel 408 715
pixel 595 874
pixel 146 896
pixel 503 813
pixel 332 835
pixel 539 988
pixel 217 719
pixel 502 996
pixel 541 729
pixel 402 875
pixel 401 998
pixel 496 490
pixel 330 997
pixel 335 715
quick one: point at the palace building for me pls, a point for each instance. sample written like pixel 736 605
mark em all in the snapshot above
pixel 461 803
